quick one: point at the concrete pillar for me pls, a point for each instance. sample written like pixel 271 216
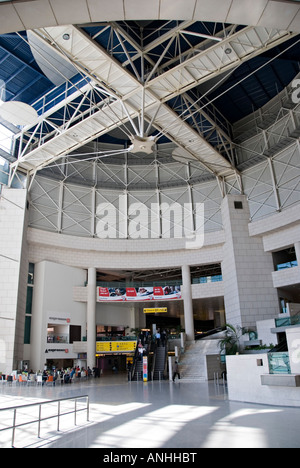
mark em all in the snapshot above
pixel 91 318
pixel 188 303
pixel 247 269
pixel 13 276
pixel 170 369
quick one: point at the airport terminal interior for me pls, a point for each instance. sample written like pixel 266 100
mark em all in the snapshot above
pixel 150 224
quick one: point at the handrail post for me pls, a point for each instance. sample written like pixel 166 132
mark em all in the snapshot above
pixel 39 426
pixel 58 415
pixel 88 409
pixel 14 428
pixel 75 421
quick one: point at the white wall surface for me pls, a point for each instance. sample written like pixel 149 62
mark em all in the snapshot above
pixel 13 277
pixel 247 269
pixel 53 303
pixel 121 254
pixel 244 383
pixel 120 315
pixel 264 332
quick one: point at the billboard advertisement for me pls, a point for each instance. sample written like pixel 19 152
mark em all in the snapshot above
pixel 142 294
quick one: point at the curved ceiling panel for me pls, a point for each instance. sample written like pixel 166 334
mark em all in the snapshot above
pixel 32 14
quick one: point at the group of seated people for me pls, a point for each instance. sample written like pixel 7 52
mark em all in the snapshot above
pixel 50 376
pixel 66 375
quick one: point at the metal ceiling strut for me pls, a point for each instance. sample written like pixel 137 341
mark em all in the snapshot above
pixel 124 96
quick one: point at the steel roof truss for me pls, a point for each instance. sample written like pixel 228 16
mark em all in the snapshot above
pixel 89 56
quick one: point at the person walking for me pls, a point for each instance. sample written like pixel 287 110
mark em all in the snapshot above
pixel 158 338
pixel 176 371
pixel 163 338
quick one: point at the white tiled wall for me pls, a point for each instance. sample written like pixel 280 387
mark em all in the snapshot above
pixel 121 254
pixel 13 277
pixel 249 291
pixel 249 282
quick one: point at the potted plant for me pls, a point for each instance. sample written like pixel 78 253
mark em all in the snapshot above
pixel 259 349
pixel 230 343
pixel 136 331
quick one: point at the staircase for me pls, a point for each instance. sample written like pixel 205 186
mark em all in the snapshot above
pixel 193 361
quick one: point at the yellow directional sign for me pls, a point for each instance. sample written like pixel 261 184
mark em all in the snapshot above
pixel 157 310
pixel 115 346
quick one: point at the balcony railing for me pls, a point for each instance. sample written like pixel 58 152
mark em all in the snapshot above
pixel 284 266
pixel 58 339
pixel 287 321
pixel 279 363
pixel 207 279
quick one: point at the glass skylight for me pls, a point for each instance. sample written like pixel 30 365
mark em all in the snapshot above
pixel 5 139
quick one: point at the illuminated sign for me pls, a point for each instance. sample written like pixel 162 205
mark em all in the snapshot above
pixel 157 310
pixel 115 346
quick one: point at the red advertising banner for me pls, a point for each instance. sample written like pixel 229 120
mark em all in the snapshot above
pixel 104 292
pixel 142 294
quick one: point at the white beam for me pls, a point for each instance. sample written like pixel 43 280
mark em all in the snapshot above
pixel 87 55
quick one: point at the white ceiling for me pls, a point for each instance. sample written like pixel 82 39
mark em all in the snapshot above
pixel 132 97
pixel 16 16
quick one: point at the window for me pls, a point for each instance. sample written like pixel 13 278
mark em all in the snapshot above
pixel 284 259
pixel 30 282
pixel 238 205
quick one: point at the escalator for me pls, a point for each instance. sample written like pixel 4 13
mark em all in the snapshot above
pixel 156 363
pixel 136 373
pixel 282 347
pixel 212 332
pixel 159 362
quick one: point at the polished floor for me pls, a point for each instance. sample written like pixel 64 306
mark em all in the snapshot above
pixel 155 415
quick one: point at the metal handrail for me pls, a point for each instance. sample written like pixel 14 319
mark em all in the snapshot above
pixel 15 426
pixel 134 363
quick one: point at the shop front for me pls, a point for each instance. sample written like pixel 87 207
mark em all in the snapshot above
pixel 114 356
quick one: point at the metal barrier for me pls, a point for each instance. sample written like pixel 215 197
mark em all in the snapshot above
pixel 217 379
pixel 40 419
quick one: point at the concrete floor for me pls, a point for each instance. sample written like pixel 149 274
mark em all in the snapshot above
pixel 153 415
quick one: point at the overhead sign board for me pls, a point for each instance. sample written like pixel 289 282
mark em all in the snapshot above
pixel 156 310
pixel 115 346
pixel 155 293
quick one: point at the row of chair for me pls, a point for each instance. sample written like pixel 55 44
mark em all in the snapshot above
pixel 31 379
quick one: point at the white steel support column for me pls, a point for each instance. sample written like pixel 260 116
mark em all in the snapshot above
pixel 91 318
pixel 191 199
pixel 188 303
